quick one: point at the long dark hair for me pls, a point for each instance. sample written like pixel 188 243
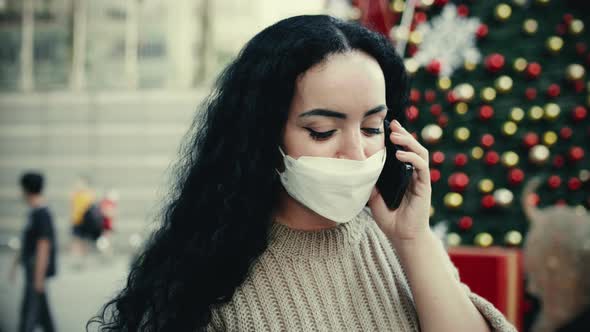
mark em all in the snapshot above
pixel 216 224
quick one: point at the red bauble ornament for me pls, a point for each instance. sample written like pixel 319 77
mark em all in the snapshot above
pixel 434 67
pixel 494 62
pixel 451 97
pixel 491 158
pixel 438 158
pixel 465 223
pixel 420 17
pixel 415 96
pixel 461 159
pixel 443 120
pixel 436 109
pixel 482 31
pixel 568 18
pixel 458 181
pixel 578 86
pixel 576 153
pixel 487 140
pixel 581 48
pixel 561 29
pixel 530 93
pixel 566 133
pixel 554 181
pixel 558 161
pixel 412 49
pixel 579 113
pixel 430 96
pixel 462 10
pixel 412 113
pixel 553 91
pixel 533 70
pixel 440 3
pixel 574 184
pixel 515 176
pixel 530 139
pixel 434 175
pixel 533 199
pixel 560 202
pixel 486 112
pixel 488 201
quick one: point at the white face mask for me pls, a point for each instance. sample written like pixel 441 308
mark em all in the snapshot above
pixel 337 189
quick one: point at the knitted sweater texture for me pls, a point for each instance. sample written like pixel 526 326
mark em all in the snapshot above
pixel 347 278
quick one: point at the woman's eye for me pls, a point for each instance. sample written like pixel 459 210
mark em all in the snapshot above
pixel 372 131
pixel 320 135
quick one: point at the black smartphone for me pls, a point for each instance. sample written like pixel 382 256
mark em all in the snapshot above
pixel 395 176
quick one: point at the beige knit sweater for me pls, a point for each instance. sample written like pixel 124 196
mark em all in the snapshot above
pixel 346 278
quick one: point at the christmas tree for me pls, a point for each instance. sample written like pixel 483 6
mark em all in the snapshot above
pixel 500 94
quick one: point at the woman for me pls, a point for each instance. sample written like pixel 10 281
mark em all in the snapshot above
pixel 245 245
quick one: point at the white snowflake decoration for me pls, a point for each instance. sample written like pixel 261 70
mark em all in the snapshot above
pixel 450 39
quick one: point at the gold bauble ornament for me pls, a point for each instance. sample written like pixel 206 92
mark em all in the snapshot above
pixel 539 154
pixel 543 2
pixel 469 66
pixel 536 113
pixel 530 26
pixel 461 108
pixel 412 66
pixel 453 239
pixel 477 153
pixel 398 6
pixel 509 159
pixel 426 3
pixel 416 37
pixel 399 33
pixel 509 128
pixel 444 83
pixel 355 14
pixel 584 175
pixel 484 240
pixel 488 94
pixel 520 65
pixel 503 12
pixel 464 92
pixel 462 134
pixel 504 84
pixel 503 197
pixel 575 72
pixel 431 134
pixel 549 138
pixel 453 200
pixel 552 111
pixel 576 27
pixel 521 3
pixel 516 114
pixel 485 186
pixel 554 44
pixel 513 238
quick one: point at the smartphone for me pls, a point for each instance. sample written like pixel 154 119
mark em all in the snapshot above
pixel 395 176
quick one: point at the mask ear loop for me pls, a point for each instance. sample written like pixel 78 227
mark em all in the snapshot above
pixel 282 161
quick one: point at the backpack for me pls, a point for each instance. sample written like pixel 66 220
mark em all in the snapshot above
pixel 92 222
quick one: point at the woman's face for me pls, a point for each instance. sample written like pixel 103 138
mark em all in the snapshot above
pixel 338 109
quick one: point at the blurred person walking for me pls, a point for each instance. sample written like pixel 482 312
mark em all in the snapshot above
pixel 38 256
pixel 82 199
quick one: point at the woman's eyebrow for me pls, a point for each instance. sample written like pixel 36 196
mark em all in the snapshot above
pixel 338 115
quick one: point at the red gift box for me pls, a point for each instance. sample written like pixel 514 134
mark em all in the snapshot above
pixel 495 274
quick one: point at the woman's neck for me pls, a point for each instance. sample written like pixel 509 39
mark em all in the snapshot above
pixel 295 215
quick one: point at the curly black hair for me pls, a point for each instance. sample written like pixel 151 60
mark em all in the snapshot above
pixel 217 222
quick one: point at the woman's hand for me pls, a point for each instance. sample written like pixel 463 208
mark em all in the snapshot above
pixel 410 220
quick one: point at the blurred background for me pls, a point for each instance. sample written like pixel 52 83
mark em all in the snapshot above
pixel 97 95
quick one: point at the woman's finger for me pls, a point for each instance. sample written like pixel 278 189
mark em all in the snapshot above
pixel 420 165
pixel 410 143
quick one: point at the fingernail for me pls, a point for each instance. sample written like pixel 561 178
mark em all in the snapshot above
pixel 397 122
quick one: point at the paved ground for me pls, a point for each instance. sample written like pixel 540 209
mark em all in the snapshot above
pixel 75 294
